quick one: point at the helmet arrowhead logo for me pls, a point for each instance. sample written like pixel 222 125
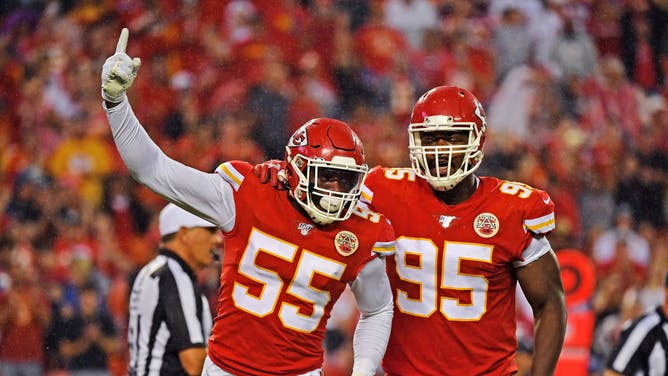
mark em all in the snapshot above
pixel 299 138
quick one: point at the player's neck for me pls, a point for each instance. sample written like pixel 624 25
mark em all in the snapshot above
pixel 460 193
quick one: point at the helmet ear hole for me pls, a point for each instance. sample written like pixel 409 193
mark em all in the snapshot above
pixel 299 162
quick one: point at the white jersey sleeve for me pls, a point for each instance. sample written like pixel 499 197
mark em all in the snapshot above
pixel 203 194
pixel 374 300
pixel 537 248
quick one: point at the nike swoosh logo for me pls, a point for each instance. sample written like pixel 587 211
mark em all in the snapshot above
pixel 546 200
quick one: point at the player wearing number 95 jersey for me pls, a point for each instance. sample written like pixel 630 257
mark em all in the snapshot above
pixel 463 242
pixel 288 255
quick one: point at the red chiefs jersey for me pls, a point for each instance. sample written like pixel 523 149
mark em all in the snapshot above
pixel 452 274
pixel 280 277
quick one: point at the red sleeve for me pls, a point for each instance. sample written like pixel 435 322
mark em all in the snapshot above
pixel 539 217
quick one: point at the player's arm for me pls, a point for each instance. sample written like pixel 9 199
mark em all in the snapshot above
pixel 609 372
pixel 541 283
pixel 202 193
pixel 374 300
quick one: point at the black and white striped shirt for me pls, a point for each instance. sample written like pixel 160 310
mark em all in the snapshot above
pixel 168 314
pixel 643 347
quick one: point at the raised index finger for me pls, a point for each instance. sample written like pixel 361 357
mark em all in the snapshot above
pixel 123 40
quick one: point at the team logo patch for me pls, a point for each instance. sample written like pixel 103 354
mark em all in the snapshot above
pixel 486 225
pixel 305 228
pixel 346 243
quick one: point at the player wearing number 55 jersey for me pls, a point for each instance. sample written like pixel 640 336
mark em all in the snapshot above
pixel 463 242
pixel 288 255
pixel 283 277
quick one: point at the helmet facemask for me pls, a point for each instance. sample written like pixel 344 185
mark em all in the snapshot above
pixel 436 163
pixel 325 205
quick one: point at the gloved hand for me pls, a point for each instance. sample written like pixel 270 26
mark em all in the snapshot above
pixel 272 172
pixel 119 71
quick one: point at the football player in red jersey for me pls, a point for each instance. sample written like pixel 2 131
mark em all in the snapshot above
pixel 288 255
pixel 463 243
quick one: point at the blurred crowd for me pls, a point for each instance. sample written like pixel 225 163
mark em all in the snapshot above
pixel 575 93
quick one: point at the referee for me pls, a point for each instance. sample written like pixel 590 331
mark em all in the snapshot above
pixel 643 346
pixel 170 319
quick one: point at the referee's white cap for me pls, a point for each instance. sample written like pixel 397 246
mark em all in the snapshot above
pixel 172 218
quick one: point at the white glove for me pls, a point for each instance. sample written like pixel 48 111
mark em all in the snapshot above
pixel 119 71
